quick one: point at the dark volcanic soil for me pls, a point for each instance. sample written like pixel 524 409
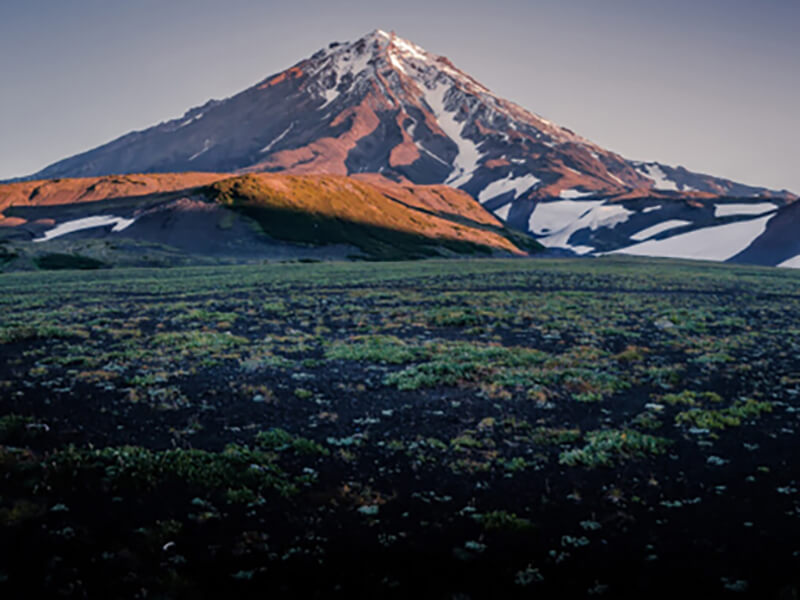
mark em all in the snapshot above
pixel 464 429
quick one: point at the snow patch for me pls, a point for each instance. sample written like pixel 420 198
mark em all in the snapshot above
pixel 657 175
pixel 468 154
pixel 343 62
pixel 792 263
pixel 269 146
pixel 726 210
pixel 719 242
pixel 550 217
pixel 651 208
pixel 408 48
pixel 206 147
pixel 604 215
pixel 617 179
pixel 396 62
pixel 502 212
pixel 191 120
pixel 119 223
pixel 431 154
pixel 573 194
pixel 502 186
pixel 658 228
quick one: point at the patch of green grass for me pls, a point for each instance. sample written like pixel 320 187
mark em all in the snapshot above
pixel 725 417
pixel 691 398
pixel 278 440
pixel 602 446
pixel 454 317
pixel 555 435
pixel 26 333
pixel 375 348
pixel 451 363
pixel 132 468
pixel 197 342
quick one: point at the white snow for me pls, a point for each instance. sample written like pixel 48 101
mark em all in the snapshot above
pixel 792 263
pixel 658 228
pixel 431 154
pixel 651 208
pixel 725 210
pixel 602 215
pixel 720 242
pixel 573 194
pixel 191 120
pixel 615 178
pixel 206 147
pixel 468 154
pixel 501 186
pixel 657 175
pixel 344 61
pixel 502 212
pixel 518 161
pixel 550 217
pixel 396 62
pixel 408 48
pixel 269 146
pixel 120 223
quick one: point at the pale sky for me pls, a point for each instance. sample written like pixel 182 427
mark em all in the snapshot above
pixel 712 85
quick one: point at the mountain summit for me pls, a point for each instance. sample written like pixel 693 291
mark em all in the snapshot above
pixel 382 104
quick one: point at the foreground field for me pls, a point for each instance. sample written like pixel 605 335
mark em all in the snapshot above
pixel 461 429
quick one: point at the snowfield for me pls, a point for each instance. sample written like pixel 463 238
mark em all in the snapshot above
pixel 573 194
pixel 502 212
pixel 719 242
pixel 658 228
pixel 726 210
pixel 468 153
pixel 550 217
pixel 269 146
pixel 792 263
pixel 659 178
pixel 503 186
pixel 119 223
pixel 606 215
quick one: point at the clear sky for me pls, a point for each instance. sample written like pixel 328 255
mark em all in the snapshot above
pixel 712 85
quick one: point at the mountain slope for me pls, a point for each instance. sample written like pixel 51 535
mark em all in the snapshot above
pixel 384 105
pixel 256 216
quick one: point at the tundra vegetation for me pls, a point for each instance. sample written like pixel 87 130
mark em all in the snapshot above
pixel 471 428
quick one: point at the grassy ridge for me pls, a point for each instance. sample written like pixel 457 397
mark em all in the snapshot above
pixel 330 209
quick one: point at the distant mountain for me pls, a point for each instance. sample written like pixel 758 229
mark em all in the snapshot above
pixel 382 104
pixel 204 218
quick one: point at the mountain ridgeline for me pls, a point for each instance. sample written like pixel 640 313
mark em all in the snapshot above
pixel 382 105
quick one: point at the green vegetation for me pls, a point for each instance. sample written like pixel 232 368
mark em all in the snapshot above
pixel 725 417
pixel 602 446
pixel 451 363
pixel 208 431
pixel 375 348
